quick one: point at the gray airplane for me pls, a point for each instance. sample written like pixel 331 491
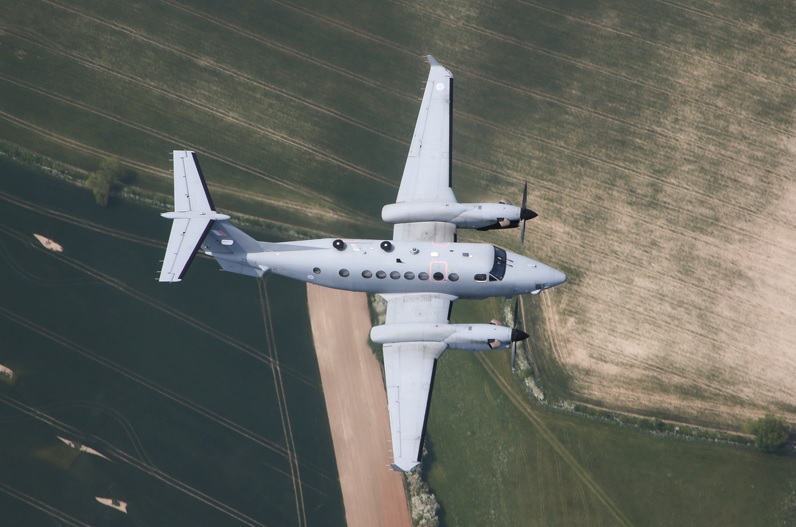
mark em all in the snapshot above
pixel 420 272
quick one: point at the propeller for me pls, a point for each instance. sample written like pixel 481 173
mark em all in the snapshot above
pixel 525 214
pixel 516 334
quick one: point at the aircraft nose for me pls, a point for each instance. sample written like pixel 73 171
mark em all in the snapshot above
pixel 558 278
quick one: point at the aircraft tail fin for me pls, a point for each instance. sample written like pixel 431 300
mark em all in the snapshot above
pixel 229 246
pixel 197 224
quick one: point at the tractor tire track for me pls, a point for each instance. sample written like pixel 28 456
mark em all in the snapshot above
pixel 232 72
pixel 364 81
pixel 746 212
pixel 581 64
pixel 563 453
pixel 207 108
pixel 292 455
pixel 668 49
pixel 213 416
pixel 56 514
pixel 121 455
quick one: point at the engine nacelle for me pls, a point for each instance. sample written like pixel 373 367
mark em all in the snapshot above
pixel 468 337
pixel 482 216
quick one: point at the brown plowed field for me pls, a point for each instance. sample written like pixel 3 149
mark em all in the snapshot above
pixel 357 406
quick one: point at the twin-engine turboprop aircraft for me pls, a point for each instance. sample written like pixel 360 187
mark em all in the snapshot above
pixel 420 272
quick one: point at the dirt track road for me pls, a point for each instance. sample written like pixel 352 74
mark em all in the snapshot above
pixel 357 406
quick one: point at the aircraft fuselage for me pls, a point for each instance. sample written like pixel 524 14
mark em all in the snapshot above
pixel 464 270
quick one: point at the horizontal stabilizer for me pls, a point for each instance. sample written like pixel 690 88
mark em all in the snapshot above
pixel 184 240
pixel 193 216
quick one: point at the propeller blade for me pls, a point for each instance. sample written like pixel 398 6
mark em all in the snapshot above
pixel 516 332
pixel 525 214
pixel 513 357
pixel 517 313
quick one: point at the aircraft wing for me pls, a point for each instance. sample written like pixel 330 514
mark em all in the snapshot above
pixel 427 173
pixel 409 373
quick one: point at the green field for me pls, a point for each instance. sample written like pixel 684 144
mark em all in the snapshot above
pixel 171 383
pixel 527 465
pixel 656 138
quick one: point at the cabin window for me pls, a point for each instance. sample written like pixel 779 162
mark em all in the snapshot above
pixel 409 275
pixel 366 274
pixel 453 277
pixel 395 275
pixel 381 274
pixel 423 276
pixel 480 278
pixel 498 266
pixel 438 277
pixel 344 272
pixel 317 270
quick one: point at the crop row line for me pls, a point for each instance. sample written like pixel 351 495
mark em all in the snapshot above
pixel 135 463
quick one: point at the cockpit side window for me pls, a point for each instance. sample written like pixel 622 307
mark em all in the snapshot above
pixel 499 266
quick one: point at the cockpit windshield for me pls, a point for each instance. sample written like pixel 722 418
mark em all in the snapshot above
pixel 499 266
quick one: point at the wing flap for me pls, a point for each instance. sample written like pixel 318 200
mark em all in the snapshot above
pixel 419 308
pixel 426 231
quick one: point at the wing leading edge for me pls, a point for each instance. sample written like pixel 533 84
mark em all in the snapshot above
pixel 427 173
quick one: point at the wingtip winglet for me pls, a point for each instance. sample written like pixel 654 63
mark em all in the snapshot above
pixel 407 465
pixel 436 66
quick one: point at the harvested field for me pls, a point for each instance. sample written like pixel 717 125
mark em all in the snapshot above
pixel 682 301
